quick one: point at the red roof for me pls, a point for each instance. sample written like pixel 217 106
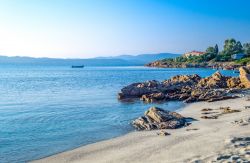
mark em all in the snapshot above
pixel 198 52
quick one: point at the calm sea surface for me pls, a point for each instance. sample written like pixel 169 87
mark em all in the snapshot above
pixel 46 110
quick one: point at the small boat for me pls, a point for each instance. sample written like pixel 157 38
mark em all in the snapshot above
pixel 80 66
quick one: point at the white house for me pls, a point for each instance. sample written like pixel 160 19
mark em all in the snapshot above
pixel 238 56
pixel 194 53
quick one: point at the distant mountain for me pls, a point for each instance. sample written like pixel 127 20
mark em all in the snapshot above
pixel 143 58
pixel 63 62
pixel 124 60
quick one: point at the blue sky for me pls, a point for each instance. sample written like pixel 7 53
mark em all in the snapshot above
pixel 89 28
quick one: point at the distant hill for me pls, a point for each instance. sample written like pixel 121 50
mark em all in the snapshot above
pixel 63 62
pixel 143 58
pixel 124 60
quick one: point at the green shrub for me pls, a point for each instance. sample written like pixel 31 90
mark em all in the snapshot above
pixel 243 61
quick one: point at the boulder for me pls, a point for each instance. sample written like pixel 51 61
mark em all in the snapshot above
pixel 183 80
pixel 154 97
pixel 217 80
pixel 136 90
pixel 245 76
pixel 217 76
pixel 157 118
pixel 233 82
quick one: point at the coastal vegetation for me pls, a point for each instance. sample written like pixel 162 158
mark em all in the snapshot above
pixel 243 61
pixel 211 56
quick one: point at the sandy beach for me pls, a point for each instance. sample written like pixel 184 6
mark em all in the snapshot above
pixel 205 140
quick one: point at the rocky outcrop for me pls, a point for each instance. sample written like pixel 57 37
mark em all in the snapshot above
pixel 156 64
pixel 245 76
pixel 163 64
pixel 215 81
pixel 209 95
pixel 174 64
pixel 187 88
pixel 136 90
pixel 157 118
pixel 234 82
pixel 154 89
pixel 154 97
pixel 182 80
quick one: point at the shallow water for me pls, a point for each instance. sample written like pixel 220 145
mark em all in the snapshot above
pixel 46 110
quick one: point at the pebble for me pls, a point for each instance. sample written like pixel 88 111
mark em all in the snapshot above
pixel 235 157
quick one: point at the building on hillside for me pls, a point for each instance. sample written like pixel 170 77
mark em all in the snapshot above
pixel 193 53
pixel 238 56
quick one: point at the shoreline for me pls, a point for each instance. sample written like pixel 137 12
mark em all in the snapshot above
pixel 228 65
pixel 204 141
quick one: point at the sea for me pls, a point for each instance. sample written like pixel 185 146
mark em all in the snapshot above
pixel 48 110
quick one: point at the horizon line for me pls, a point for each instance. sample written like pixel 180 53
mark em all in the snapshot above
pixel 23 56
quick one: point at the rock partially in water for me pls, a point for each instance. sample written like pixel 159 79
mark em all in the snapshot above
pixel 136 90
pixel 154 97
pixel 217 80
pixel 157 118
pixel 187 88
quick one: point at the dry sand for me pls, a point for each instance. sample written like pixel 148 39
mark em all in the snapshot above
pixel 211 140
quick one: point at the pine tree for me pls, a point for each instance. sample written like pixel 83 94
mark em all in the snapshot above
pixel 216 49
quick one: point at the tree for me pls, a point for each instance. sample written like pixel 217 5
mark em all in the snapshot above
pixel 216 49
pixel 210 49
pixel 246 48
pixel 211 53
pixel 231 46
pixel 238 47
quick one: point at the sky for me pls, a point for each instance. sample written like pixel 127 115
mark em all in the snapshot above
pixel 91 28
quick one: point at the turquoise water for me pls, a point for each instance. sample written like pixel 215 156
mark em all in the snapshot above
pixel 46 110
